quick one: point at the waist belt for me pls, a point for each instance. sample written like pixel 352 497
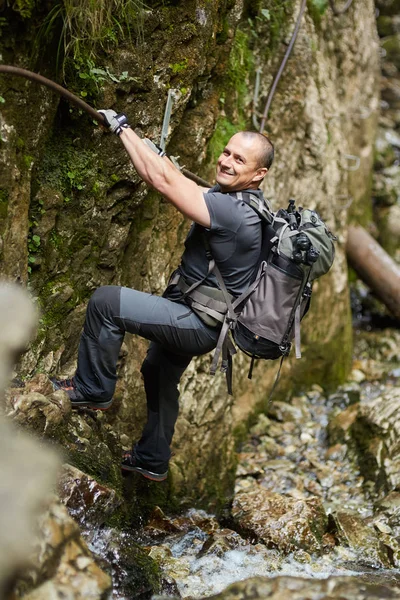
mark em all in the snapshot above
pixel 206 301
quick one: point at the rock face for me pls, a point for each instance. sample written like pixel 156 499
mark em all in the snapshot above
pixel 386 180
pixel 70 192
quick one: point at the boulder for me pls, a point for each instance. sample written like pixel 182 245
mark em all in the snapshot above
pixel 376 435
pixel 353 532
pixel 87 500
pixel 279 521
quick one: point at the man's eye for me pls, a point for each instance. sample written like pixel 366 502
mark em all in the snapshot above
pixel 239 159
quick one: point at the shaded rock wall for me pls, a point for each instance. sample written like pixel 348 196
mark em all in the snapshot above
pixel 76 216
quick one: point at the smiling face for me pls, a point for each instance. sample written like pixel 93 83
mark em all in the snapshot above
pixel 238 166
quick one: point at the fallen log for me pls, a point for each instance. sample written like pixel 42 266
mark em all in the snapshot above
pixel 375 267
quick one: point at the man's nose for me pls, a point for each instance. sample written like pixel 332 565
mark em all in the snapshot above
pixel 225 160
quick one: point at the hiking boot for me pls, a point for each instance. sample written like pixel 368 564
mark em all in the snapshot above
pixel 76 398
pixel 131 463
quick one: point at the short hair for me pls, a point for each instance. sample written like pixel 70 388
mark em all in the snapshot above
pixel 266 155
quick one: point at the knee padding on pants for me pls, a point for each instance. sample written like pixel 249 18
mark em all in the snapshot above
pixel 106 299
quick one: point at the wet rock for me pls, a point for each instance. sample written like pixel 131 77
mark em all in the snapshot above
pixel 390 507
pixel 221 542
pixel 134 573
pixel 262 426
pixel 353 532
pixel 279 521
pixel 357 375
pixel 199 519
pixel 87 501
pixel 376 434
pixel 340 425
pixel 283 411
pixel 334 588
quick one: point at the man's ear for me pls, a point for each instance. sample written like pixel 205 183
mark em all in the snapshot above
pixel 261 173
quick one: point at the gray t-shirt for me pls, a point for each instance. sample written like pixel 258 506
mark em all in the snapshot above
pixel 235 240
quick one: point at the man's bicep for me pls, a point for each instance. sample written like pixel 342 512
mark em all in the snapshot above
pixel 188 198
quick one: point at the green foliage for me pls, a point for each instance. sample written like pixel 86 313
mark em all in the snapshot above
pixel 28 160
pixel 88 26
pixel 240 63
pixel 84 76
pixel 34 242
pixel 319 5
pixel 67 168
pixel 24 7
pixel 316 9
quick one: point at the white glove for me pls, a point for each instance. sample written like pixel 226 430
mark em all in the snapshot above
pixel 114 122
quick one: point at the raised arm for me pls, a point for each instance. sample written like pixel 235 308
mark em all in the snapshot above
pixel 160 173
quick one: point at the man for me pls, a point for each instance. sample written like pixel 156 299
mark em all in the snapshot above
pixel 177 330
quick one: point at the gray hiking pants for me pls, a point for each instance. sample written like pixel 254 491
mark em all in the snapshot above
pixel 176 333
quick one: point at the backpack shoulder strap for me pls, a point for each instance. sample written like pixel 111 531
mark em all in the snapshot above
pixel 260 205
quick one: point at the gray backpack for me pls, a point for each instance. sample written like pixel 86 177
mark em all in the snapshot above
pixel 297 249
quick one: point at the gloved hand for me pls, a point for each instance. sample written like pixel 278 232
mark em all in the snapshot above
pixel 114 122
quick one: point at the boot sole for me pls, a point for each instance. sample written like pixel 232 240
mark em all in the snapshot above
pixel 92 405
pixel 148 474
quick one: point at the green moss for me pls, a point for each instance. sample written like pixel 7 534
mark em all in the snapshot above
pixel 28 160
pixel 223 32
pixel 316 9
pixel 224 130
pixel 360 211
pixel 278 13
pixel 317 365
pixel 179 67
pixel 67 167
pixel 3 203
pixel 240 63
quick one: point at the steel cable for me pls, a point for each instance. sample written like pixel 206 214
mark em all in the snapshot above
pixel 280 71
pixel 336 11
